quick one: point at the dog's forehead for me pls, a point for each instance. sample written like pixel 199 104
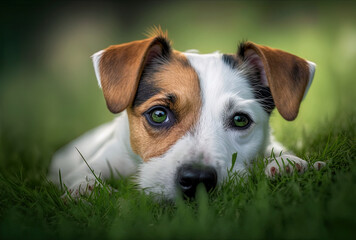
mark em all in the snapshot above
pixel 219 77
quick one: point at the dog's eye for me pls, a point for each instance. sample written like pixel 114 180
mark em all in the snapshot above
pixel 242 121
pixel 160 117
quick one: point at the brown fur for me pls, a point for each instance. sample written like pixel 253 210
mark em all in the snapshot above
pixel 177 78
pixel 121 67
pixel 287 76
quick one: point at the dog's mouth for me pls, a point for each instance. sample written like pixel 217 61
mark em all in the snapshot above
pixel 190 176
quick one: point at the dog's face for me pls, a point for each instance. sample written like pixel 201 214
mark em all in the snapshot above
pixel 188 113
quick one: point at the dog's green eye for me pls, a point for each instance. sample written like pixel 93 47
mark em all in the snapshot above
pixel 159 116
pixel 241 120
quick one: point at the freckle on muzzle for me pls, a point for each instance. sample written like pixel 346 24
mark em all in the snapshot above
pixel 189 176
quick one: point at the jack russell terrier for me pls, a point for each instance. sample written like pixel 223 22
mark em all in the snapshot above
pixel 183 115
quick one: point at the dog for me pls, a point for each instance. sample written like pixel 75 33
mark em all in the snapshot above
pixel 182 115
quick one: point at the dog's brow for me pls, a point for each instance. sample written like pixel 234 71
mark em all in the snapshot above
pixel 171 97
pixel 229 105
pixel 232 104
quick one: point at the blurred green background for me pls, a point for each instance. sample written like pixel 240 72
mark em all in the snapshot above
pixel 48 90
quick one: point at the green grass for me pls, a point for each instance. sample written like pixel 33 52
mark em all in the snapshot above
pixel 316 205
pixel 49 95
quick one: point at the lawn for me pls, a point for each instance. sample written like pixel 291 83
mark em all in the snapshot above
pixel 49 95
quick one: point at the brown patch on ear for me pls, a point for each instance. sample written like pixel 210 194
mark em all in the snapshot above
pixel 287 76
pixel 121 66
pixel 180 92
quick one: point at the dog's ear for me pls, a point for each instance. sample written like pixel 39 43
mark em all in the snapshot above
pixel 288 76
pixel 119 67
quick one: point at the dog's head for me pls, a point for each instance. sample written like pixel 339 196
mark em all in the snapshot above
pixel 188 112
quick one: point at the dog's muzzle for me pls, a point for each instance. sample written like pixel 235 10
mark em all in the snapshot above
pixel 189 176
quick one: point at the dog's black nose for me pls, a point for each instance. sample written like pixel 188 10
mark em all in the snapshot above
pixel 190 176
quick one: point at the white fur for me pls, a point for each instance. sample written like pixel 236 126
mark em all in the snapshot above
pixel 106 149
pixel 96 61
pixel 224 92
pixel 312 67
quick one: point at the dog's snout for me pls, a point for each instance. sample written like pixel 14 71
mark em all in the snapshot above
pixel 190 176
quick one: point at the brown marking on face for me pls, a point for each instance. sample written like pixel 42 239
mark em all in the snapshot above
pixel 287 76
pixel 176 78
